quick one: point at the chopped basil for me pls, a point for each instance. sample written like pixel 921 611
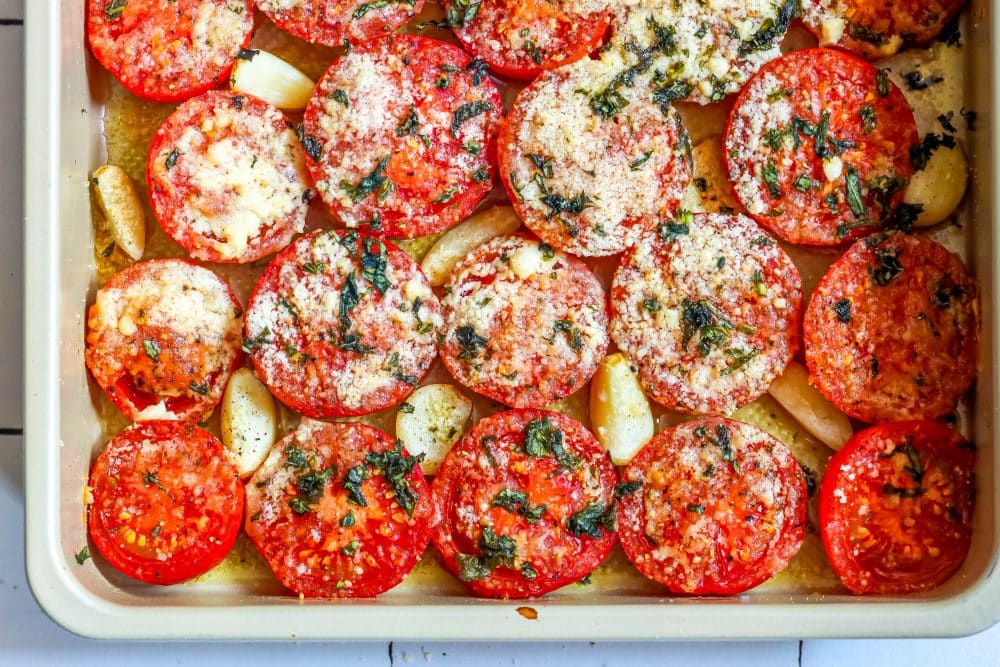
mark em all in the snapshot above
pixel 461 12
pixel 738 359
pixel 310 144
pixel 888 266
pixel 410 126
pixel 470 343
pixel 863 33
pixel 672 231
pixel 152 349
pixel 351 548
pixel 541 438
pixel 916 81
pixel 651 304
pixel 348 520
pixel 466 112
pixel 150 478
pixel 113 10
pixel 627 488
pixel 843 310
pixel 363 10
pixel 703 318
pixel 770 175
pixel 869 118
pixel 517 502
pixel 921 153
pixel 674 91
pixel 395 467
pixel 171 159
pixel 376 180
pixel 853 189
pixel 352 482
pixel 340 96
pixel 696 508
pixel 720 439
pixel 82 556
pixel 803 183
pixel 542 164
pixel 199 388
pixel 903 492
pixel 771 31
pixel 882 82
pixel 494 551
pixel 374 260
pixel 558 204
pixel 591 519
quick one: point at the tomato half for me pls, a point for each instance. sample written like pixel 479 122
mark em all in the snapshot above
pixel 168 50
pixel 892 329
pixel 339 510
pixel 583 177
pixel 400 135
pixel 166 502
pixel 521 39
pixel 896 505
pixel 817 147
pixel 227 178
pixel 333 22
pixel 163 337
pixel 707 308
pixel 525 324
pixel 341 324
pixel 524 504
pixel 717 507
pixel 874 29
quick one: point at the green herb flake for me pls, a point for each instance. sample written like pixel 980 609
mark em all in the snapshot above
pixel 591 519
pixel 467 112
pixel 82 556
pixel 395 467
pixel 542 438
pixel 152 349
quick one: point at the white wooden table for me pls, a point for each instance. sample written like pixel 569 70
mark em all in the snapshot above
pixel 28 637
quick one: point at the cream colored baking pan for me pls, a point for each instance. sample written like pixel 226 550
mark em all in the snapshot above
pixel 63 433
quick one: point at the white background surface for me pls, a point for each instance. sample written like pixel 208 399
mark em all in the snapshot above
pixel 28 637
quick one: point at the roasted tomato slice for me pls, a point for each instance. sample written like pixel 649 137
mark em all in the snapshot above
pixel 342 324
pixel 339 510
pixel 895 507
pixel 163 337
pixel 519 39
pixel 584 177
pixel 874 29
pixel 166 502
pixel 525 504
pixel 525 324
pixel 400 135
pixel 169 50
pixel 228 179
pixel 332 22
pixel 716 507
pixel 817 147
pixel 707 308
pixel 891 330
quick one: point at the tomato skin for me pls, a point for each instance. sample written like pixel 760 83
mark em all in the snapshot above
pixel 193 360
pixel 174 177
pixel 547 363
pixel 333 22
pixel 713 532
pixel 315 553
pixel 468 480
pixel 167 502
pixel 908 347
pixel 169 77
pixel 568 36
pixel 401 125
pixel 885 543
pixel 817 84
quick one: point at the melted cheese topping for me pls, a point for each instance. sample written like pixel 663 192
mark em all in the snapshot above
pixel 627 170
pixel 713 48
pixel 728 277
pixel 297 318
pixel 542 317
pixel 239 180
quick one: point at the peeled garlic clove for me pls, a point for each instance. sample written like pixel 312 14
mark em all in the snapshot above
pixel 939 186
pixel 119 202
pixel 459 240
pixel 431 420
pixel 248 420
pixel 619 410
pixel 809 407
pixel 273 80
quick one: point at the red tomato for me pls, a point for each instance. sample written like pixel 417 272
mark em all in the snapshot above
pixel 167 502
pixel 874 29
pixel 524 504
pixel 163 337
pixel 524 324
pixel 169 50
pixel 891 331
pixel 817 147
pixel 227 178
pixel 520 39
pixel 708 311
pixel 585 178
pixel 718 507
pixel 333 22
pixel 895 507
pixel 341 324
pixel 339 510
pixel 400 135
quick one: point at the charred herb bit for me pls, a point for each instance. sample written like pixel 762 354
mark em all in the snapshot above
pixel 651 305
pixel 541 438
pixel 517 502
pixel 722 440
pixel 298 505
pixel 558 204
pixel 376 180
pixel 82 556
pixel 970 118
pixel 921 153
pixel 869 118
pixel 832 203
pixel 945 121
pixel 945 291
pixel 152 349
pixel 410 124
pixel 738 359
pixel 472 147
pixel 494 551
pixel 470 343
pixel 770 174
pixel 528 571
pixel 247 54
pixel 113 10
pixel 696 508
pixel 440 25
pixel 310 144
pixel 762 241
pixel 882 82
pixel 843 310
pixel 479 70
pixel 254 343
pixel 888 266
pixel 916 81
pixel 395 466
pixel 852 185
pixel 703 318
pixel 591 519
pixel 374 260
pixel 863 33
pixel 771 30
pixel 466 112
pixel 110 248
pixel 348 520
pixel 199 388
pixel 542 164
pixel 903 216
pixel 352 482
pixel 290 307
pixel 340 95
pixel 351 548
pixel 573 335
pixel 310 488
pixel 150 478
pixel 903 492
pixel 461 12
pixel 882 189
pixel 446 196
pixel 295 457
pixel 171 159
pixel 672 231
pixel 951 34
pixel 627 488
pixel 674 91
pixel 774 139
